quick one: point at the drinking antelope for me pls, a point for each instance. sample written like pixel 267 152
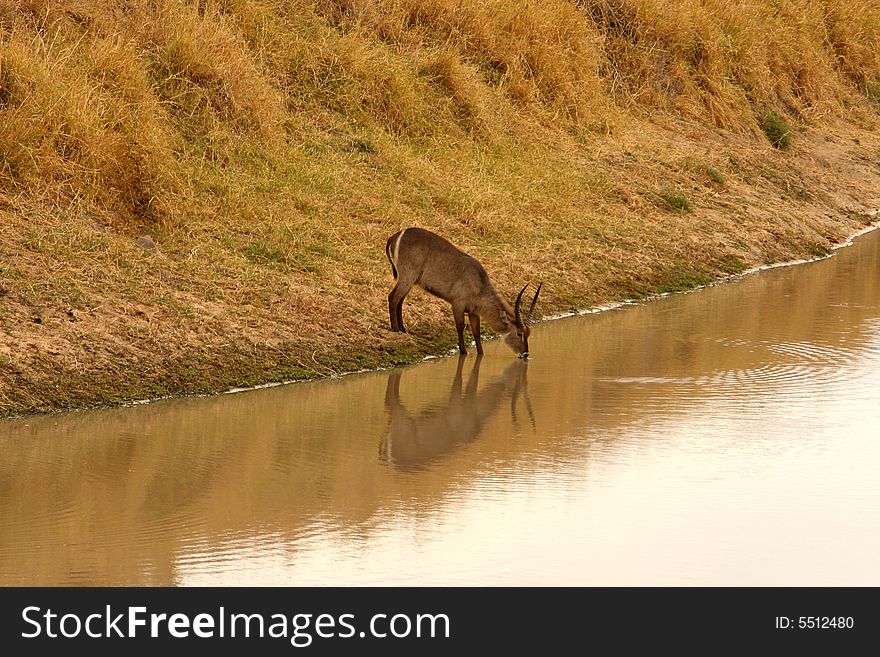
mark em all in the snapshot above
pixel 418 256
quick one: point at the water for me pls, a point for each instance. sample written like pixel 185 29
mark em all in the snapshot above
pixel 730 436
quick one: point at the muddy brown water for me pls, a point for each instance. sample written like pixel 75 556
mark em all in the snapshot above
pixel 729 436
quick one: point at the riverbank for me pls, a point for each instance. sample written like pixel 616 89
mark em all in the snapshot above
pixel 269 166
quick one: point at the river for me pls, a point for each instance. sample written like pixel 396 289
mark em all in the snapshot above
pixel 728 436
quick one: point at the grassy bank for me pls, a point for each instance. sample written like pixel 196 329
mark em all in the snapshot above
pixel 611 148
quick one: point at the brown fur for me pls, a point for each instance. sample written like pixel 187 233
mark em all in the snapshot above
pixel 426 259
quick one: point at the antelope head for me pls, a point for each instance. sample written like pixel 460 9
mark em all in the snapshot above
pixel 518 337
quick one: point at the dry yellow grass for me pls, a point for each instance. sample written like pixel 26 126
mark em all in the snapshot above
pixel 269 147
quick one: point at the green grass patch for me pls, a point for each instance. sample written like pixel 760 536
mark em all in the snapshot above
pixel 259 253
pixel 704 169
pixel 733 265
pixel 675 201
pixel 679 281
pixel 777 130
pixel 818 250
pixel 715 175
pixel 872 91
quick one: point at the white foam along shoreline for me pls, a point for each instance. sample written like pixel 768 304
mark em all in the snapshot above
pixel 724 279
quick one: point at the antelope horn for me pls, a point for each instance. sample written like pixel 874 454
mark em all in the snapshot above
pixel 516 314
pixel 532 307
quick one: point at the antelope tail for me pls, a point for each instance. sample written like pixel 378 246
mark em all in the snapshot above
pixel 389 252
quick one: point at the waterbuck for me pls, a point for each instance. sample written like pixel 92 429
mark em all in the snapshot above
pixel 418 256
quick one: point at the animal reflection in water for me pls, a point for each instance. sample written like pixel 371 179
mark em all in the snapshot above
pixel 415 440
